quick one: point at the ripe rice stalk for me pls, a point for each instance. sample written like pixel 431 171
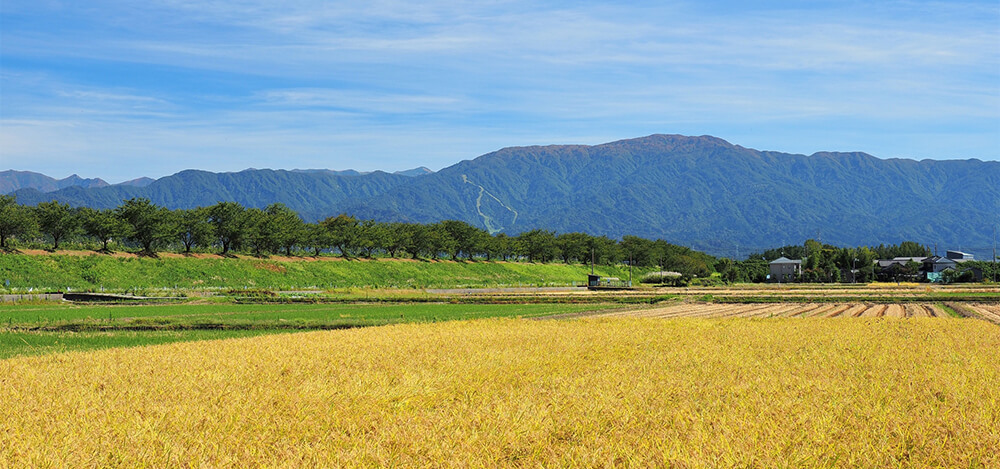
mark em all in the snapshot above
pixel 507 392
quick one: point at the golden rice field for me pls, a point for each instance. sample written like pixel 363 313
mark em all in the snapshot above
pixel 810 392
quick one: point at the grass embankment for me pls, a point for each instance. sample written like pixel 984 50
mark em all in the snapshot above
pixel 707 393
pixel 92 272
pixel 40 329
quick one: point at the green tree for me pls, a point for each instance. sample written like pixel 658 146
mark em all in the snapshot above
pixel 57 220
pixel 468 239
pixel 16 221
pixel 416 239
pixel 439 241
pixel 395 238
pixel 538 245
pixel 103 225
pixel 318 238
pixel 286 225
pixel 148 224
pixel 574 247
pixel 372 237
pixel 192 227
pixel 728 270
pixel 603 250
pixel 343 232
pixel 638 250
pixel 228 221
pixel 503 246
pixel 259 234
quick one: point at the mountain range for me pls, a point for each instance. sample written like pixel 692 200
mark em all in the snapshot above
pixel 701 192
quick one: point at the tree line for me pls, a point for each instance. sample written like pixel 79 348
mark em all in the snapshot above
pixel 228 227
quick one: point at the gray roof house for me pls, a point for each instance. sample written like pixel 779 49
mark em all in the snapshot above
pixel 887 263
pixel 936 264
pixel 784 269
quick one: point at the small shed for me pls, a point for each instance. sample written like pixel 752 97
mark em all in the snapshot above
pixel 593 280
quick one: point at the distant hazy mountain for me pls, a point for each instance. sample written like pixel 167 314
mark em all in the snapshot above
pixel 701 192
pixel 11 181
pixel 314 195
pixel 138 182
pixel 350 172
pixel 421 171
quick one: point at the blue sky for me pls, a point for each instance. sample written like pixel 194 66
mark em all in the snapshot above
pixel 121 89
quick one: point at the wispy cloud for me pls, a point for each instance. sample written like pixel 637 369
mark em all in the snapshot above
pixel 215 83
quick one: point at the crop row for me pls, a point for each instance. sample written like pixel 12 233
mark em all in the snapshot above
pixel 710 310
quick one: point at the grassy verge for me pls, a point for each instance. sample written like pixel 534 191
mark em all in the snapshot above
pixel 146 275
pixel 15 344
pixel 951 311
pixel 40 329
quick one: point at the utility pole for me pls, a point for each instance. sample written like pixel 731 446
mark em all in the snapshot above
pixel 591 261
pixel 994 253
pixel 630 269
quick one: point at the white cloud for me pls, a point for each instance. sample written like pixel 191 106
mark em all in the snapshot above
pixel 393 84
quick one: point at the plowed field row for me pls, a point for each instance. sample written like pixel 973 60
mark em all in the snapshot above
pixel 989 312
pixel 709 310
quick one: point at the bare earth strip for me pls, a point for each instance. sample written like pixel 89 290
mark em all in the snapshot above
pixel 773 311
pixel 873 311
pixel 990 312
pixel 821 311
pixel 895 311
pixel 839 310
pixel 916 311
pixel 938 311
pixel 852 311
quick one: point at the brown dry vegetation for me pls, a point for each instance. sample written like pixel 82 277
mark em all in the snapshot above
pixel 767 310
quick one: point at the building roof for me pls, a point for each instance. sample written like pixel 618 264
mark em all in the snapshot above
pixel 939 260
pixel 958 255
pixel 785 260
pixel 900 260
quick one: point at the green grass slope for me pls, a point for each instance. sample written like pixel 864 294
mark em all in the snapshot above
pixel 91 273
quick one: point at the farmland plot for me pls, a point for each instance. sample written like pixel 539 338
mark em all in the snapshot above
pixel 713 310
pixel 803 392
pixel 989 312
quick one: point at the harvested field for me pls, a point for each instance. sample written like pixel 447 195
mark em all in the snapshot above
pixel 989 312
pixel 801 310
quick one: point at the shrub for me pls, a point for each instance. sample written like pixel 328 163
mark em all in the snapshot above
pixel 664 278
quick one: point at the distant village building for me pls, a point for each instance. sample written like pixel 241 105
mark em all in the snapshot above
pixel 887 264
pixel 959 256
pixel 784 269
pixel 931 268
pixel 935 264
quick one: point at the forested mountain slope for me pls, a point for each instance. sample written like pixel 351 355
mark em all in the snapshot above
pixel 702 192
pixel 708 194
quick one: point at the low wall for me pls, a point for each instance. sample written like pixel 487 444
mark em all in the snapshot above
pixel 31 296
